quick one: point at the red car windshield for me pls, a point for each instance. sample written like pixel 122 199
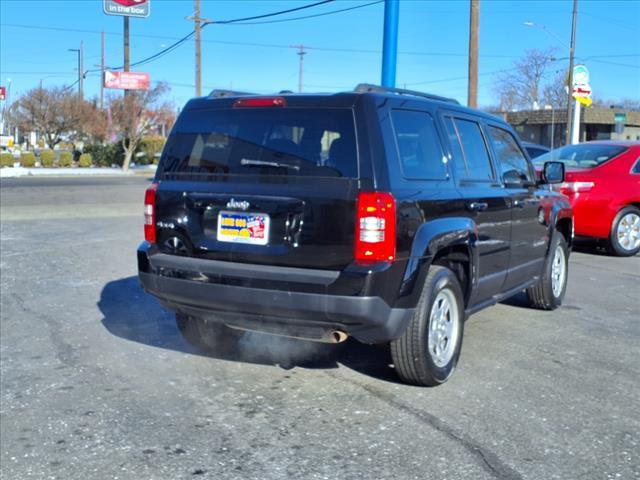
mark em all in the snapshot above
pixel 584 155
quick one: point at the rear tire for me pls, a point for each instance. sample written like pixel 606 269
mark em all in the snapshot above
pixel 427 353
pixel 549 292
pixel 624 239
pixel 206 335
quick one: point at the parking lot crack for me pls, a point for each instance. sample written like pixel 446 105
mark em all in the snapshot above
pixel 485 458
pixel 65 352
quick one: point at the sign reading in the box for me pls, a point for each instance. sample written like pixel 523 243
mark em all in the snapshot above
pixel 251 228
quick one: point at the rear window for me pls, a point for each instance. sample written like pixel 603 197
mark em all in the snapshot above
pixel 316 142
pixel 584 155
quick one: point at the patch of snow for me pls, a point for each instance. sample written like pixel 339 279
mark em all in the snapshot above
pixel 13 172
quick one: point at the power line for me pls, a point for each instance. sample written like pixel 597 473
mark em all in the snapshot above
pixel 179 42
pixel 266 45
pixel 281 12
pixel 618 64
pixel 610 20
pixel 307 16
pixel 283 46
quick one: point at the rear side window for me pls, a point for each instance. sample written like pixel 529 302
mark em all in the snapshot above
pixel 263 141
pixel 636 167
pixel 582 155
pixel 419 147
pixel 513 163
pixel 472 161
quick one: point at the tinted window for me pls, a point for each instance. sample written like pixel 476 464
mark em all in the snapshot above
pixel 472 158
pixel 263 141
pixel 636 167
pixel 513 164
pixel 419 146
pixel 584 155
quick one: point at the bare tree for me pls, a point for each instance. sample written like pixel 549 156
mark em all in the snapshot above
pixel 57 114
pixel 555 92
pixel 137 114
pixel 521 87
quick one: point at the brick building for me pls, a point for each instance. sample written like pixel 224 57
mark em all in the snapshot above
pixel 538 126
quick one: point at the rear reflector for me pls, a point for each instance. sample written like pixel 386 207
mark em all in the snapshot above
pixel 375 239
pixel 260 102
pixel 150 213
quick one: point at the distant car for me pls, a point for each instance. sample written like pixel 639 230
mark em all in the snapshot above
pixel 535 150
pixel 603 185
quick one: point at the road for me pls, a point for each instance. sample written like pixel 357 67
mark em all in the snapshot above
pixel 96 381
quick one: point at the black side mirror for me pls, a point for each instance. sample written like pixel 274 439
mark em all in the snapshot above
pixel 553 172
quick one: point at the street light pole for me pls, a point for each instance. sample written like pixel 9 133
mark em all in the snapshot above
pixel 571 126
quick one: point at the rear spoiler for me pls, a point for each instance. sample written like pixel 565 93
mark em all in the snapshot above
pixel 218 93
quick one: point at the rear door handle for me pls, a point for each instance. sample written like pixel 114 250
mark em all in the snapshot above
pixel 477 206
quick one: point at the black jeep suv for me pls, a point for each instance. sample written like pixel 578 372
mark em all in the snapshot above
pixel 382 214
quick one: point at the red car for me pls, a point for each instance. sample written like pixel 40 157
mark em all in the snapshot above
pixel 603 185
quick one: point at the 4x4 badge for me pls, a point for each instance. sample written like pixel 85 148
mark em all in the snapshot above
pixel 243 205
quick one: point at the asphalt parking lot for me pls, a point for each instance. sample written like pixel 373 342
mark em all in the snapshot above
pixel 96 382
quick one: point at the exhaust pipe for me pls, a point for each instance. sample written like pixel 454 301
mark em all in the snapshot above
pixel 338 336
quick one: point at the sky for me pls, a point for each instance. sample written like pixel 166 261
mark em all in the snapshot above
pixel 344 49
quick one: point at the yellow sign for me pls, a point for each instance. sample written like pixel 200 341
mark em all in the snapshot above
pixel 586 101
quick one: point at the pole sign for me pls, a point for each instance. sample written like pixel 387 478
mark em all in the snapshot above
pixel 581 87
pixel 3 93
pixel 127 8
pixel 126 80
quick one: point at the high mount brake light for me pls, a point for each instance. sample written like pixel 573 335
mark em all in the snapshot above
pixel 375 239
pixel 260 102
pixel 150 213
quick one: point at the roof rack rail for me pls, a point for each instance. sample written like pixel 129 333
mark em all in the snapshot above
pixel 367 87
pixel 228 93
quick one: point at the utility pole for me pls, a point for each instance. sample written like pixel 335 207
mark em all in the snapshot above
pixel 102 70
pixel 390 42
pixel 126 48
pixel 572 49
pixel 81 70
pixel 78 51
pixel 474 21
pixel 199 22
pixel 198 51
pixel 301 53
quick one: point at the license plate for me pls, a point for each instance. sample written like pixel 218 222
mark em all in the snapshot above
pixel 251 228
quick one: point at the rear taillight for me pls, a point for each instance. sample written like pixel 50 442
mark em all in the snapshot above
pixel 260 102
pixel 571 188
pixel 150 213
pixel 375 227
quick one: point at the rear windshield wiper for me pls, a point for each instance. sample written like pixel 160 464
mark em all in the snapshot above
pixel 263 163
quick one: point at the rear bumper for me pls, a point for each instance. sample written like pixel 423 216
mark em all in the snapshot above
pixel 218 291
